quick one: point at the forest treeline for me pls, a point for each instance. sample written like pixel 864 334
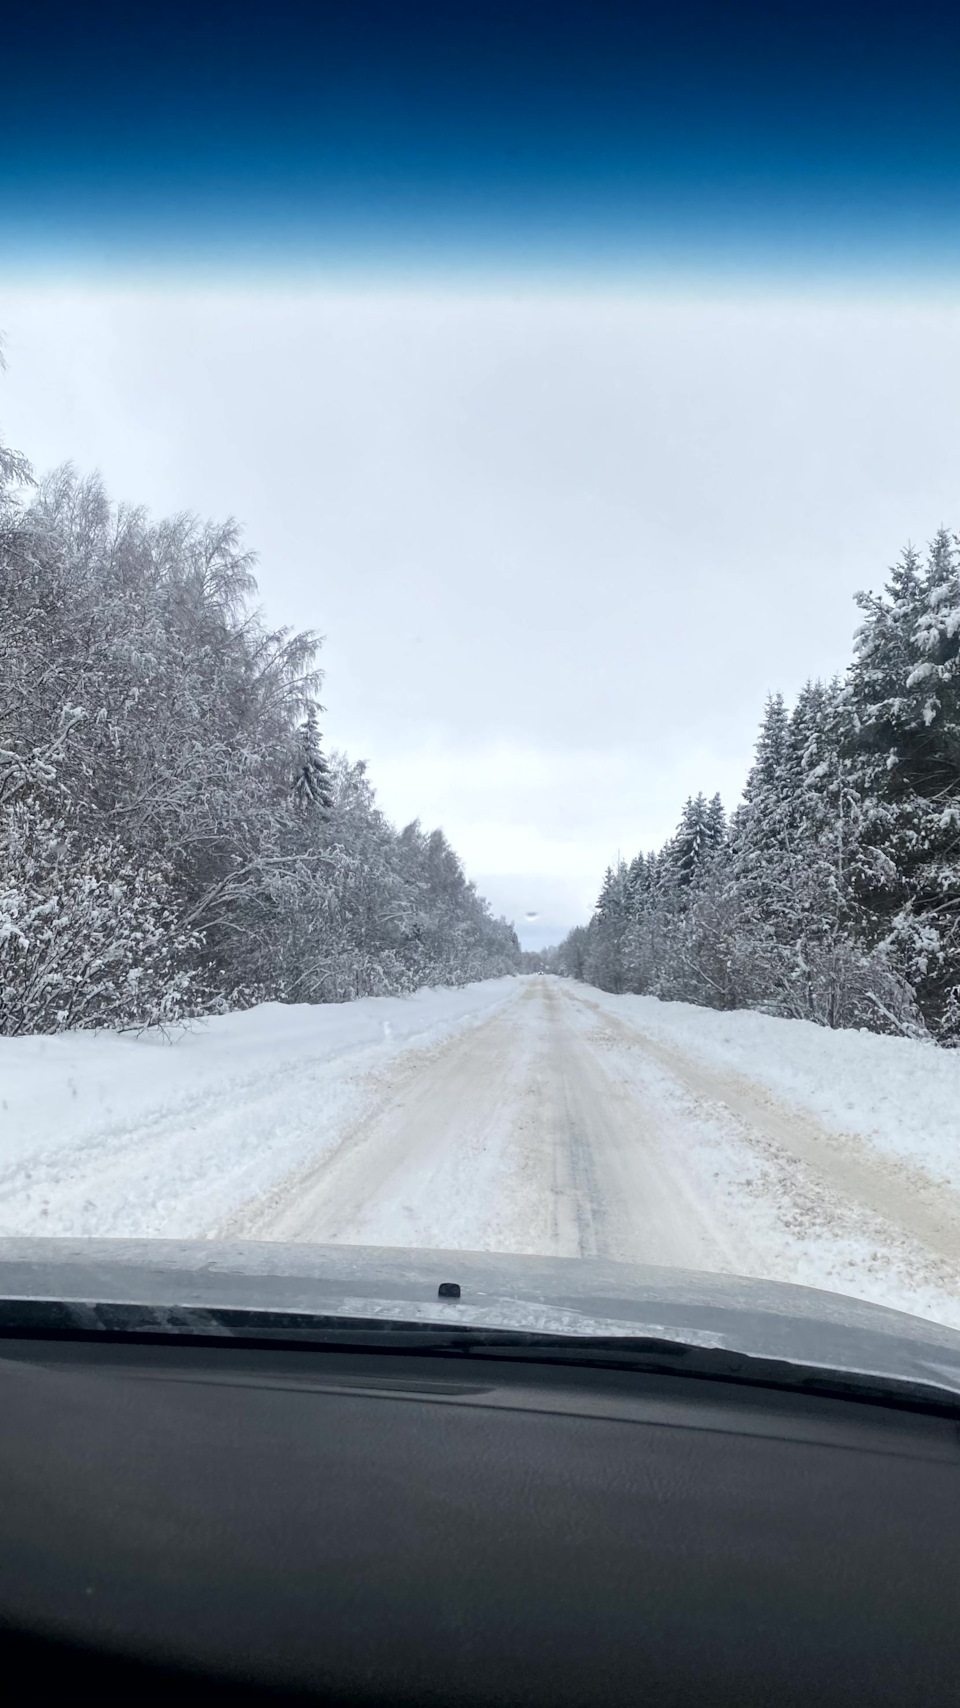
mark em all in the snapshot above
pixel 833 892
pixel 173 840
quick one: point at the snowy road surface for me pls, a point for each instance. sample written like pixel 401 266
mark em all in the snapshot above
pixel 523 1135
pixel 528 1115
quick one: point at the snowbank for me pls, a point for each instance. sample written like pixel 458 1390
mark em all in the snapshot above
pixel 901 1095
pixel 101 1133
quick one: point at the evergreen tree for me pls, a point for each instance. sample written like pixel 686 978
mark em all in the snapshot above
pixel 311 773
pixel 904 743
pixel 604 960
pixel 716 826
pixel 689 852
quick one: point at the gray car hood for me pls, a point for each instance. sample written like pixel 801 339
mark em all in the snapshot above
pixel 580 1298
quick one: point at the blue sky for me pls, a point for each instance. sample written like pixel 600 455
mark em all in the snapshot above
pixel 393 134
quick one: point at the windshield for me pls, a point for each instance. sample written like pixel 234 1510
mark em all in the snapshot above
pixel 479 627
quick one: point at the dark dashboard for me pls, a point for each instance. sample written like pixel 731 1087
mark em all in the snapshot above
pixel 206 1522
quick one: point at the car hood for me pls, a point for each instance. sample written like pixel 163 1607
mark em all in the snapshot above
pixel 178 1282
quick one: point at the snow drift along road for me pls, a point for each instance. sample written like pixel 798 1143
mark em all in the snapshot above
pixel 525 1115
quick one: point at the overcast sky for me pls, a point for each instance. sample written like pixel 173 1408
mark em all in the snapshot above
pixel 560 544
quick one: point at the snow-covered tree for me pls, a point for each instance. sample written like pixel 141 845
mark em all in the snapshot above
pixel 172 837
pixel 834 892
pixel 311 773
pixel 604 961
pixel 87 936
pixel 903 698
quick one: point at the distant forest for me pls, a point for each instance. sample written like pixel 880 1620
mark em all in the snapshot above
pixel 173 839
pixel 833 892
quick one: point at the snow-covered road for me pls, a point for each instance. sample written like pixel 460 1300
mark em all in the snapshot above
pixel 560 1127
pixel 528 1115
pixel 513 1137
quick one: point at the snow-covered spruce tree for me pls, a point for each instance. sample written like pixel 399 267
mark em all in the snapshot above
pixel 604 958
pixel 844 975
pixel 693 930
pixel 903 742
pixel 692 846
pixel 716 825
pixel 768 895
pixel 637 952
pixel 311 773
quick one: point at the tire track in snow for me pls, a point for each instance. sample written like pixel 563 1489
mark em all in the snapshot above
pixel 896 1192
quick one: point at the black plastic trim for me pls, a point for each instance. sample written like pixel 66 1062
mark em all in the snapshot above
pixel 114 1321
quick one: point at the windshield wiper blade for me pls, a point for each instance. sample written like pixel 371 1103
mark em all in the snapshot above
pixel 68 1319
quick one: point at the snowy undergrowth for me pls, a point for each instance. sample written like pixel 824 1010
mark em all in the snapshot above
pixel 901 1095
